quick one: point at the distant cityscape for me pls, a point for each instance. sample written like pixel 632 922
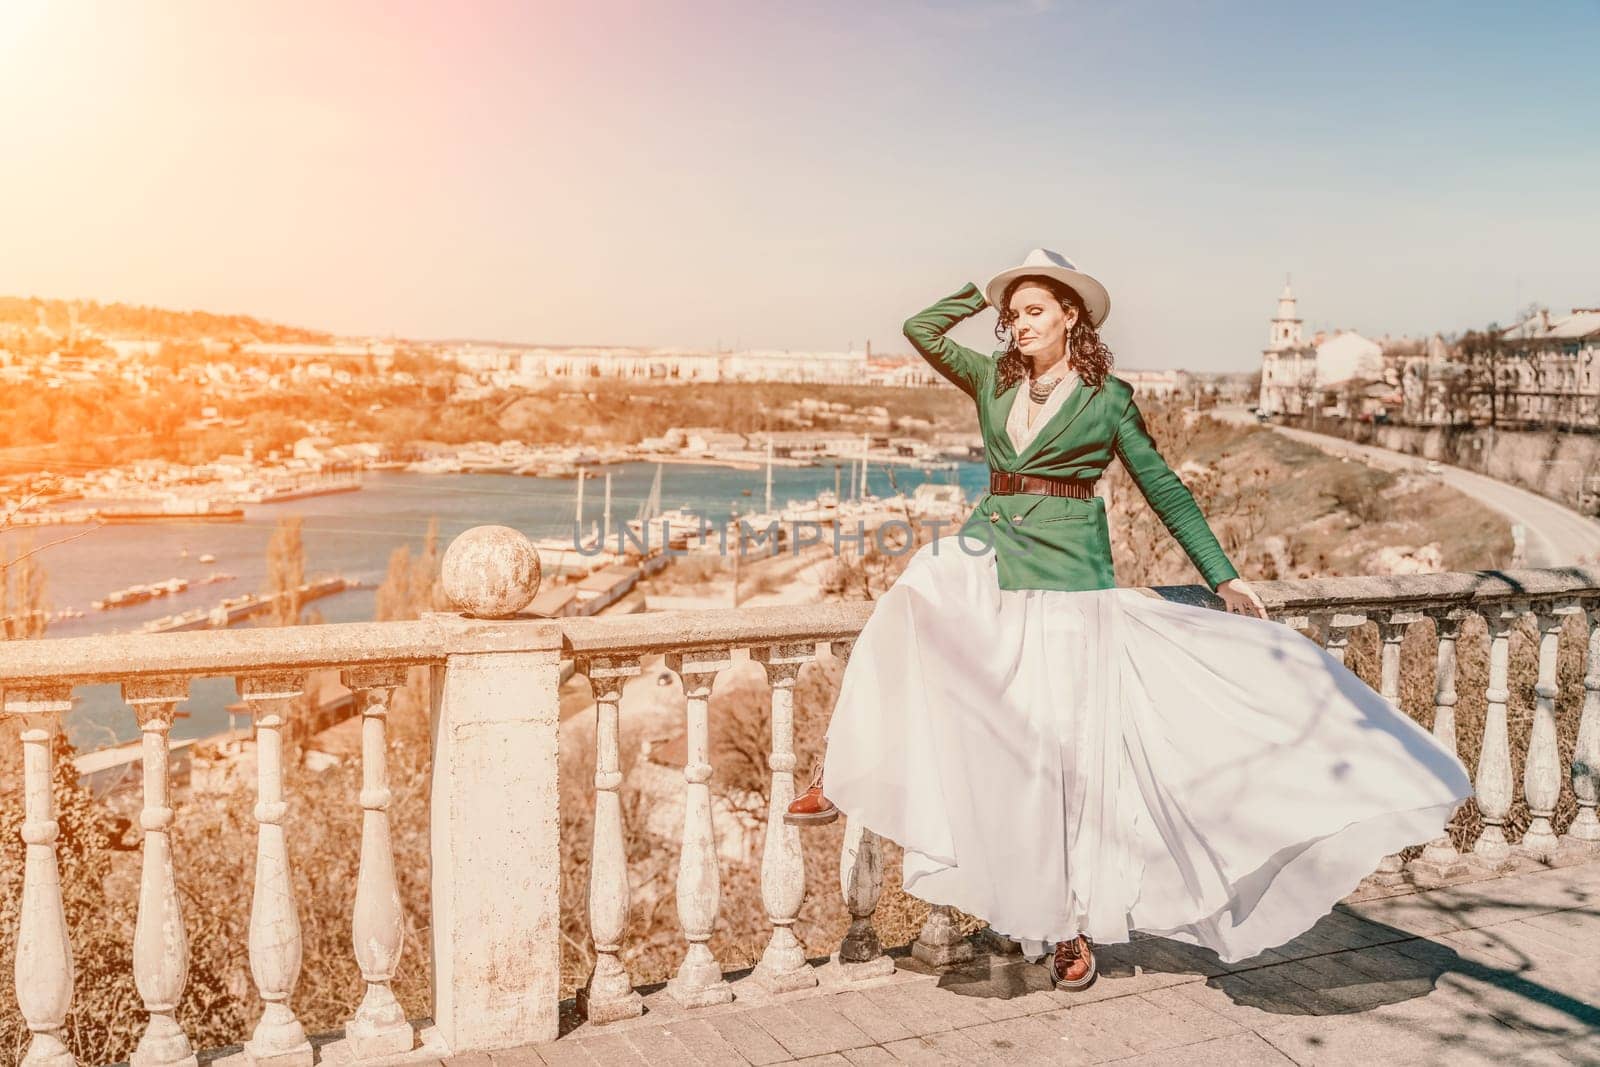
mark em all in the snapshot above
pixel 1539 372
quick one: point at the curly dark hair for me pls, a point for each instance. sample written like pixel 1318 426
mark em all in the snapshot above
pixel 1087 354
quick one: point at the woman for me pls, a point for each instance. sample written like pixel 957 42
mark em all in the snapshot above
pixel 1073 761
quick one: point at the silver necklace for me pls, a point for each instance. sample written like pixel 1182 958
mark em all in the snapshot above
pixel 1039 389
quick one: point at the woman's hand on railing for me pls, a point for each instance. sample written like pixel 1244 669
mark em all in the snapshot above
pixel 1241 599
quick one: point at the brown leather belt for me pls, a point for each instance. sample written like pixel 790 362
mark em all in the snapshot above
pixel 1010 482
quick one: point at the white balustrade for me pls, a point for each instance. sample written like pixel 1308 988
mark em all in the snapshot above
pixel 1541 773
pixel 160 946
pixel 495 959
pixel 1392 629
pixel 1440 859
pixel 1583 836
pixel 1493 782
pixel 377 925
pixel 278 1039
pixel 783 967
pixel 699 980
pixel 609 994
pixel 44 971
pixel 940 944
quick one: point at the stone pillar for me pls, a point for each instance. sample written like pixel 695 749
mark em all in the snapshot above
pixel 44 972
pixel 1439 859
pixel 494 827
pixel 783 966
pixel 496 848
pixel 940 944
pixel 1392 627
pixel 1493 782
pixel 160 947
pixel 1541 772
pixel 279 1039
pixel 1583 836
pixel 609 994
pixel 699 982
pixel 377 924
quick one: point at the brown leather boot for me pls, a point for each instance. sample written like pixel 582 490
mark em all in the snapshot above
pixel 811 808
pixel 1073 966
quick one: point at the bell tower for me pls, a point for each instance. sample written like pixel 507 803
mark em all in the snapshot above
pixel 1285 324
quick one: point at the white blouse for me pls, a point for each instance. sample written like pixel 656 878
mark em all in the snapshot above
pixel 1017 420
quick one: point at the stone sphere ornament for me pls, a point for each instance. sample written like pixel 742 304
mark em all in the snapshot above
pixel 491 572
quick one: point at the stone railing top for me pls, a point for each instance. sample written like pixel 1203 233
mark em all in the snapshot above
pixel 1413 591
pixel 111 658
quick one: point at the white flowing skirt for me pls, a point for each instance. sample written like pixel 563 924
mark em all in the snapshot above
pixel 1062 762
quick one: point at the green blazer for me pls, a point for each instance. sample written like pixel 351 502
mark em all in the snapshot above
pixel 1052 542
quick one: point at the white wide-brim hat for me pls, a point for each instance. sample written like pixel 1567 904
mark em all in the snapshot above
pixel 1053 265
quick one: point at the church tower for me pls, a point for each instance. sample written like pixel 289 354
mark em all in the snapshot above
pixel 1285 324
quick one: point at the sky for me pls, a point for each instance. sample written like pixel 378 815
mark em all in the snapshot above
pixel 803 176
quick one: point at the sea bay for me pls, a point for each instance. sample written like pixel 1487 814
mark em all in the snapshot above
pixel 353 534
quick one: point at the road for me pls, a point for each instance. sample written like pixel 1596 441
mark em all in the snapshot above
pixel 1554 535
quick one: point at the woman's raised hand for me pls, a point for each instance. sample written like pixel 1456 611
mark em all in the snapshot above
pixel 1241 599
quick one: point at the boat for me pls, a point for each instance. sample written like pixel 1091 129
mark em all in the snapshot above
pixel 680 524
pixel 138 594
pixel 173 510
pixel 824 508
pixel 193 619
pixel 589 543
pixel 206 557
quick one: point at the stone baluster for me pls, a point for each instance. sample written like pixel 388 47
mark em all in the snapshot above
pixel 940 944
pixel 377 927
pixel 1333 630
pixel 278 1038
pixel 1392 628
pixel 609 994
pixel 1583 836
pixel 160 946
pixel 44 971
pixel 1493 782
pixel 783 966
pixel 699 981
pixel 1541 773
pixel 1439 859
pixel 860 955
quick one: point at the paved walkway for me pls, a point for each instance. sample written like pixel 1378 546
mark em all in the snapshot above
pixel 1502 971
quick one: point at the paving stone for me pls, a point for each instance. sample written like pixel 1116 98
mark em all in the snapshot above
pixel 1027 1039
pixel 1235 1050
pixel 659 1047
pixel 1090 1042
pixel 870 1056
pixel 1142 1024
pixel 564 1053
pixel 941 1048
pixel 703 1042
pixel 527 1056
pixel 912 1011
pixel 809 1028
pixel 752 1041
pixel 829 1059
pixel 869 1017
pixel 615 1050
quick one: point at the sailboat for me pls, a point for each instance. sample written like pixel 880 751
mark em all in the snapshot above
pixel 681 525
pixel 588 543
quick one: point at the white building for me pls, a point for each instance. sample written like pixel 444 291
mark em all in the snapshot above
pixel 1297 376
pixel 1288 364
pixel 1554 378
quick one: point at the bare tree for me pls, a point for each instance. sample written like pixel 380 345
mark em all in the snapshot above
pixel 286 572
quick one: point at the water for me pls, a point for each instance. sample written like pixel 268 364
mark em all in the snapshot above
pixel 353 535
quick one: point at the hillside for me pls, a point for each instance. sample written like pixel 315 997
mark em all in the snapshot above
pixel 131 320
